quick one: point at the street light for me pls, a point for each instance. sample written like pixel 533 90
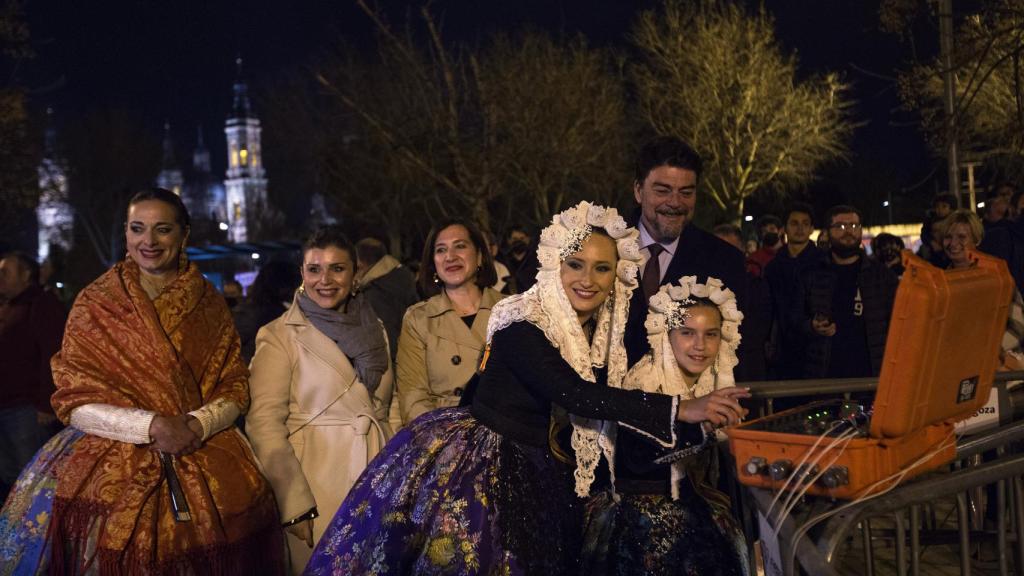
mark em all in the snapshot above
pixel 748 218
pixel 255 255
pixel 223 226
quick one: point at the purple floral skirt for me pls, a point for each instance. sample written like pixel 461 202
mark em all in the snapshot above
pixel 448 495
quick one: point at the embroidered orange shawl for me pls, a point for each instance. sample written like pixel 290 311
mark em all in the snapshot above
pixel 170 355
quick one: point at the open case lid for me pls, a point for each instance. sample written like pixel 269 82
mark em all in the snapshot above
pixel 943 344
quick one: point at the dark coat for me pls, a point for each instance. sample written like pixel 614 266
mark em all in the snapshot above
pixel 786 347
pixel 1007 242
pixel 698 254
pixel 814 295
pixel 390 288
pixel 31 331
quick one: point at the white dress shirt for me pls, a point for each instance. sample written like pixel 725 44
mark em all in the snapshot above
pixel 664 259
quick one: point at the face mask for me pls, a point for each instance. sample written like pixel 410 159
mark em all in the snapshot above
pixel 518 247
pixel 845 251
pixel 770 239
pixel 889 254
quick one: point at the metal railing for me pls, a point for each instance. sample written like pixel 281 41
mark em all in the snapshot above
pixel 770 390
pixel 964 485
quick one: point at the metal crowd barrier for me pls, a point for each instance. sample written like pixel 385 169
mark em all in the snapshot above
pixel 968 483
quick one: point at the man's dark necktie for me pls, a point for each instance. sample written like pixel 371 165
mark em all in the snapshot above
pixel 652 272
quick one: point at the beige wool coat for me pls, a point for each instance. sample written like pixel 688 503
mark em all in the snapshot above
pixel 312 423
pixel 438 354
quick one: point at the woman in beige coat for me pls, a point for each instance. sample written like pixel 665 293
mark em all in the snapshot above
pixel 442 338
pixel 321 387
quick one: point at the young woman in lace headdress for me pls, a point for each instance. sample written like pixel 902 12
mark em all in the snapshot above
pixel 477 490
pixel 665 516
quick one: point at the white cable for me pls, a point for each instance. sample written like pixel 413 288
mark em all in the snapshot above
pixel 950 440
pixel 806 455
pixel 843 440
pixel 805 465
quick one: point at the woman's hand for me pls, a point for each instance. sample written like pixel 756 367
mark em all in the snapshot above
pixel 173 435
pixel 303 531
pixel 720 408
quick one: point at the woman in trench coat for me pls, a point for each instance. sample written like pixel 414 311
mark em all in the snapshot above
pixel 321 388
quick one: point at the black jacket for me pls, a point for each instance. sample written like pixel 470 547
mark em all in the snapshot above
pixel 786 347
pixel 1007 242
pixel 698 254
pixel 814 295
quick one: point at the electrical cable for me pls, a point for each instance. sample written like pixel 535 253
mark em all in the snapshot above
pixel 949 441
pixel 843 441
pixel 806 455
pixel 803 466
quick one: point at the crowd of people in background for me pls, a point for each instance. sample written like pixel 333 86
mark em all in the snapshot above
pixel 480 360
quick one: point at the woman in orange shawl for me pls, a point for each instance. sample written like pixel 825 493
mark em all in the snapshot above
pixel 151 477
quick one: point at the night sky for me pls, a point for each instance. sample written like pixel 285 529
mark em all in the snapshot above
pixel 174 61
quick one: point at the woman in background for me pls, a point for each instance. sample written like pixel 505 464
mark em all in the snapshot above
pixel 443 337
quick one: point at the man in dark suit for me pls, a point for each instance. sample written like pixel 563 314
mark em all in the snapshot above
pixel 665 187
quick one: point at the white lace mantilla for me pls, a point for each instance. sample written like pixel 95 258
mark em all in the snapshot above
pixel 659 372
pixel 547 307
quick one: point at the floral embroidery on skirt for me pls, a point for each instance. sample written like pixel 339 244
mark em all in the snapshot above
pixel 443 498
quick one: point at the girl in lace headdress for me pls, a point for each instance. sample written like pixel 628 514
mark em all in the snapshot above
pixel 664 516
pixel 479 490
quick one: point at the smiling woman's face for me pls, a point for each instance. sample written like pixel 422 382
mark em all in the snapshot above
pixel 456 258
pixel 154 237
pixel 327 275
pixel 589 275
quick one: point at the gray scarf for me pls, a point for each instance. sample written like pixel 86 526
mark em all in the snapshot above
pixel 357 332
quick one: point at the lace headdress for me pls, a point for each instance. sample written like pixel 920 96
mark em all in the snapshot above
pixel 546 306
pixel 659 372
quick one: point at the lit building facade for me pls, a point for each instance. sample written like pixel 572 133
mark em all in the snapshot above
pixel 246 184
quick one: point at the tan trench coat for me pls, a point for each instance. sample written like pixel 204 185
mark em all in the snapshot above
pixel 438 354
pixel 312 423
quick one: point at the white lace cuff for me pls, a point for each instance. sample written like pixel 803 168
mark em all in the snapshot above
pixel 216 416
pixel 129 425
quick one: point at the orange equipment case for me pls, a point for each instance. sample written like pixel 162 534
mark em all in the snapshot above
pixel 940 358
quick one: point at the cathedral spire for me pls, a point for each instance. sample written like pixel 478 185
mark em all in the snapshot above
pixel 240 108
pixel 201 155
pixel 170 176
pixel 168 157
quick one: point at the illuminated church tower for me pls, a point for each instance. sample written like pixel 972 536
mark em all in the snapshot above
pixel 54 213
pixel 246 185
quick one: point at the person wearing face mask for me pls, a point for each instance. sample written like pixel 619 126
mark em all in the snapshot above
pixel 888 249
pixel 483 489
pixel 769 232
pixel 519 258
pixel 321 389
pixel 443 337
pixel 151 476
pixel 843 304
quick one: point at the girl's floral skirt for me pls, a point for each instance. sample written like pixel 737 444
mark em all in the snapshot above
pixel 448 495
